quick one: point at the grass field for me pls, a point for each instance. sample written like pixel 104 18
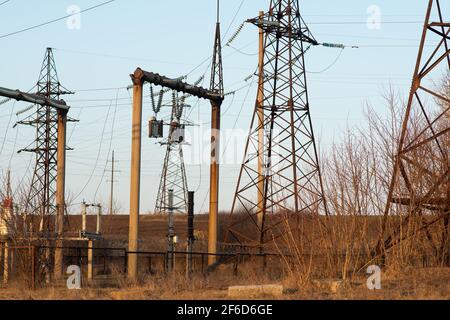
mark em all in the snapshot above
pixel 310 279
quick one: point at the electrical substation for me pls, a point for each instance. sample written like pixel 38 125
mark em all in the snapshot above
pixel 281 178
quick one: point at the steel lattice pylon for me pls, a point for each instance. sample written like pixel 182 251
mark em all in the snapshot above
pixel 173 175
pixel 41 197
pixel 290 181
pixel 420 185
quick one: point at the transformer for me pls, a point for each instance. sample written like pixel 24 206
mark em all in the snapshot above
pixel 156 128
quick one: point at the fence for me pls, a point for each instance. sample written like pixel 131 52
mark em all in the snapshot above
pixel 34 264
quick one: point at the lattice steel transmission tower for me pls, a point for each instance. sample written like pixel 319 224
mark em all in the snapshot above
pixel 420 187
pixel 41 197
pixel 173 175
pixel 280 173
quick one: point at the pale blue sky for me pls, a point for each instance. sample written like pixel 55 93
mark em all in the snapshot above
pixel 172 37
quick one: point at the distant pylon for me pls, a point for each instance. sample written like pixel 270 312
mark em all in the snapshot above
pixel 41 197
pixel 420 185
pixel 173 175
pixel 280 173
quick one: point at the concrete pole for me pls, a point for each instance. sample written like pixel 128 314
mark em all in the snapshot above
pixel 60 192
pixel 259 102
pixel 111 196
pixel 90 261
pixel 83 217
pixel 12 261
pixel 214 183
pixel 99 219
pixel 6 263
pixel 135 180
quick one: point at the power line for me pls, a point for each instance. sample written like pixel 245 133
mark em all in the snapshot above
pixel 110 146
pixel 98 154
pixel 4 2
pixel 7 128
pixel 331 65
pixel 363 22
pixel 55 20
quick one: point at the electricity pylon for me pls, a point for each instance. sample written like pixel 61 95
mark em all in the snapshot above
pixel 173 175
pixel 420 185
pixel 41 197
pixel 217 87
pixel 280 173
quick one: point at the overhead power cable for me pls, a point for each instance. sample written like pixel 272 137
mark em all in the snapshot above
pixel 55 20
pixel 364 22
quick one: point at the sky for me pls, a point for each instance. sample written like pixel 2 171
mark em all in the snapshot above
pixel 97 51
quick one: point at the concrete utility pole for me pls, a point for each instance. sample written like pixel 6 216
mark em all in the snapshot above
pixel 216 86
pixel 83 217
pixel 135 180
pixel 260 107
pixel 139 78
pixel 111 195
pixel 60 191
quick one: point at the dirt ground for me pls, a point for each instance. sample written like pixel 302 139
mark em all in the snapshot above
pixel 432 283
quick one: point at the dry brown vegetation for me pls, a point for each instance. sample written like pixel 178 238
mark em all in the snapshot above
pixel 314 249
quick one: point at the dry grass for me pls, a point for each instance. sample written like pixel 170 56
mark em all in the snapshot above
pixel 414 283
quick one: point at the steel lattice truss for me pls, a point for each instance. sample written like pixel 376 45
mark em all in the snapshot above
pixel 216 84
pixel 41 198
pixel 291 180
pixel 173 175
pixel 420 186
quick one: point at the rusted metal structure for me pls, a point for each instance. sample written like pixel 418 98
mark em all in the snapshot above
pixel 420 185
pixel 42 195
pixel 139 78
pixel 280 173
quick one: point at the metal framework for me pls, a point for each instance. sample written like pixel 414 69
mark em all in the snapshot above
pixel 173 175
pixel 420 185
pixel 280 173
pixel 41 197
pixel 61 123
